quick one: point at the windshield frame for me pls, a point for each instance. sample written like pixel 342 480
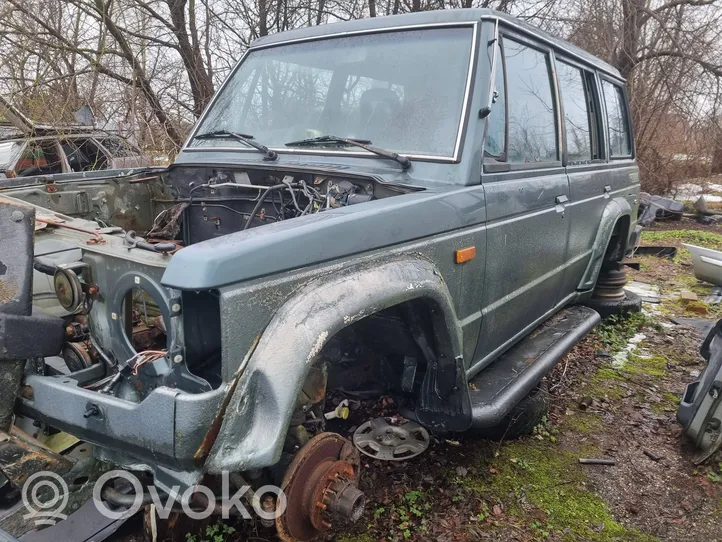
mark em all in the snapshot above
pixel 465 104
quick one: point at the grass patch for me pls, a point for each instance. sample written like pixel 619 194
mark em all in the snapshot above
pixel 691 309
pixel 606 383
pixel 354 538
pixel 676 237
pixel 637 364
pixel 541 478
pixel 584 422
pixel 613 335
pixel 616 330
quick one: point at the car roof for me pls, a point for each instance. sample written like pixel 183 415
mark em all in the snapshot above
pixel 448 16
pixel 10 133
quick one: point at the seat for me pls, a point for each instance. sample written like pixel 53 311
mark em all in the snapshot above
pixel 376 107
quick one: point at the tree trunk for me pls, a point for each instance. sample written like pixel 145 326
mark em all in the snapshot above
pixel 717 152
pixel 262 18
pixel 191 55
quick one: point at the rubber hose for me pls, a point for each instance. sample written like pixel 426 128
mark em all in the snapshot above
pixel 45 268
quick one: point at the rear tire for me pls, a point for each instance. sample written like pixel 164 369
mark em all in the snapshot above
pixel 523 418
pixel 607 307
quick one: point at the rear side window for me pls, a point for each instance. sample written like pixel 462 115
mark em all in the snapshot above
pixel 532 126
pixel 576 102
pixel 620 142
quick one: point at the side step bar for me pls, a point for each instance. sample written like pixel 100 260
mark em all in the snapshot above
pixel 496 390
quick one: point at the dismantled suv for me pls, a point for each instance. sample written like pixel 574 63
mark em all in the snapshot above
pixel 432 206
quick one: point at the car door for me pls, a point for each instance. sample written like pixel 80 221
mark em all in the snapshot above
pixel 589 185
pixel 526 191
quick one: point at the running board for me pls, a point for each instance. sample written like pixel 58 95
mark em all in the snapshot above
pixel 496 390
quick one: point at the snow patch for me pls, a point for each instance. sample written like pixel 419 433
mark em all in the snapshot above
pixel 621 357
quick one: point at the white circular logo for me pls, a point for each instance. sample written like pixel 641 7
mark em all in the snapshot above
pixel 118 514
pixel 45 496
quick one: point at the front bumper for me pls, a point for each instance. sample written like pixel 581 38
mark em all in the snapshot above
pixel 167 428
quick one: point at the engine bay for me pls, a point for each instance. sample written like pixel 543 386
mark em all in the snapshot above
pixel 132 225
pixel 208 203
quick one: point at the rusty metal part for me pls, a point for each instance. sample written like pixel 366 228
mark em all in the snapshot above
pixel 16 236
pixel 610 284
pixel 321 489
pixel 344 500
pixel 76 331
pixel 210 438
pixel 97 236
pixel 268 504
pixel 51 187
pixel 632 263
pixel 336 497
pixel 148 337
pixel 21 456
pixel 314 387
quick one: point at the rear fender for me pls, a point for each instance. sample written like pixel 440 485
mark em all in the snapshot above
pixel 258 414
pixel 613 212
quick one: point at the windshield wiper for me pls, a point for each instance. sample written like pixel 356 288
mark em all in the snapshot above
pixel 345 141
pixel 243 138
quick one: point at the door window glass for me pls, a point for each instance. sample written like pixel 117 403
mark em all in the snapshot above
pixel 117 147
pixel 575 99
pixel 39 158
pixel 496 134
pixel 84 155
pixel 617 122
pixel 532 128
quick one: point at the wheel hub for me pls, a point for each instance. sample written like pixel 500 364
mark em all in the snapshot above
pixel 321 489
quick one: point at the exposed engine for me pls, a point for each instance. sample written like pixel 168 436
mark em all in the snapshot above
pixel 212 203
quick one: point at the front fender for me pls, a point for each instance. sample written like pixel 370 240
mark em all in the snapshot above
pixel 615 209
pixel 258 413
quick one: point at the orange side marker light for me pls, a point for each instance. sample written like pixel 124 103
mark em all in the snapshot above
pixel 465 254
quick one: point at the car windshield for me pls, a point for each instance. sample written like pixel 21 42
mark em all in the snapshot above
pixel 402 91
pixel 8 150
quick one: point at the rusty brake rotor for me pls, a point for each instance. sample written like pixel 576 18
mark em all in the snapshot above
pixel 321 489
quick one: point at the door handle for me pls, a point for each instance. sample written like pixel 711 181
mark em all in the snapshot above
pixel 607 192
pixel 561 200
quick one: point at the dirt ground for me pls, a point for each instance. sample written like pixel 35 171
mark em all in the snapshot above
pixel 535 488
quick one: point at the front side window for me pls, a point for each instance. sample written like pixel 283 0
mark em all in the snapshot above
pixel 403 91
pixel 532 126
pixel 620 143
pixel 575 99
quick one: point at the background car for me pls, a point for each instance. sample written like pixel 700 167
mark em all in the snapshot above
pixel 65 150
